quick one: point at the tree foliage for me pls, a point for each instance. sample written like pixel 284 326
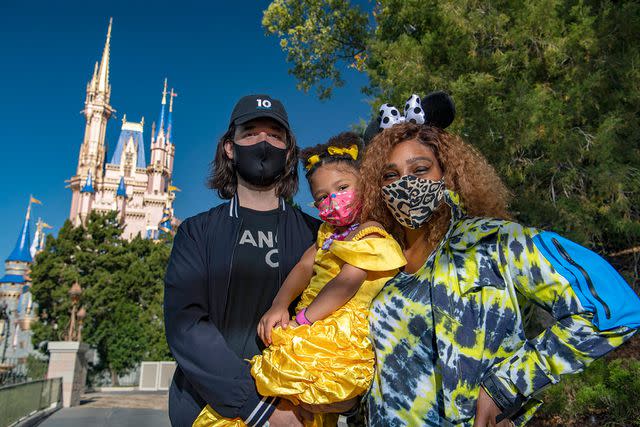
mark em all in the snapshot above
pixel 316 35
pixel 605 392
pixel 122 284
pixel 548 90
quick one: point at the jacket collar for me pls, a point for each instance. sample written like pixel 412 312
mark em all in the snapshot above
pixel 452 199
pixel 465 232
pixel 234 204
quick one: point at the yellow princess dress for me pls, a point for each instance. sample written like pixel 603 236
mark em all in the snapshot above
pixel 331 360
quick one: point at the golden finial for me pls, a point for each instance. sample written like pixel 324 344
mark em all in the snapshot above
pixel 142 122
pixel 124 118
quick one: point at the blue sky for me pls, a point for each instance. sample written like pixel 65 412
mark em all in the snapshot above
pixel 211 52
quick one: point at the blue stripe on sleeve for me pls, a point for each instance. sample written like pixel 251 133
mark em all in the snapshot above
pixel 599 287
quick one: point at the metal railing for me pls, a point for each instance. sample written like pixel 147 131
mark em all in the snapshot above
pixel 20 370
pixel 18 401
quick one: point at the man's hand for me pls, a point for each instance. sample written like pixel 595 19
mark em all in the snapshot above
pixel 337 408
pixel 287 415
pixel 276 315
pixel 487 411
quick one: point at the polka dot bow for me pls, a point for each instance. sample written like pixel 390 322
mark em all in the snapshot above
pixel 413 113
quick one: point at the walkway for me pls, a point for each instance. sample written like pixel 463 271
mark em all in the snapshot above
pixel 117 409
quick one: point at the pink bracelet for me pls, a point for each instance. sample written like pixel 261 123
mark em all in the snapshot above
pixel 301 318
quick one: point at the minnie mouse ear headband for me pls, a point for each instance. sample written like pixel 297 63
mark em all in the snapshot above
pixel 435 109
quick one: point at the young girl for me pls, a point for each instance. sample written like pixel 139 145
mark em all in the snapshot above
pixel 325 355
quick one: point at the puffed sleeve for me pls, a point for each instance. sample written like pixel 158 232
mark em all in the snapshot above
pixel 371 254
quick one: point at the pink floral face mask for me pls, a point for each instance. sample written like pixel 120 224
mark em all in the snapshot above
pixel 340 209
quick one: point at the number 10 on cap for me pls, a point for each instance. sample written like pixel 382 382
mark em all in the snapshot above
pixel 264 103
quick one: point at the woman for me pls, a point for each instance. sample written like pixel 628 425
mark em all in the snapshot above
pixel 448 330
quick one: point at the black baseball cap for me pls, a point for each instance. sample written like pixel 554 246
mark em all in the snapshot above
pixel 257 106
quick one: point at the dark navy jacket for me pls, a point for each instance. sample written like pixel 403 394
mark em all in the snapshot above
pixel 196 287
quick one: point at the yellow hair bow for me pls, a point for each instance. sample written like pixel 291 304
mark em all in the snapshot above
pixel 312 161
pixel 352 151
pixel 334 151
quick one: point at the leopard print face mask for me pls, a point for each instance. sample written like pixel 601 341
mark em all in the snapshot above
pixel 413 200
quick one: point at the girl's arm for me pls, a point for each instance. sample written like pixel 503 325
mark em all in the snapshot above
pixel 342 287
pixel 336 293
pixel 297 280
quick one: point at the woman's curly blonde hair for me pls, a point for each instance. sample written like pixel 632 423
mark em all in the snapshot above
pixel 465 170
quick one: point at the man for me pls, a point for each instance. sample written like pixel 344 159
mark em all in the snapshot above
pixel 227 265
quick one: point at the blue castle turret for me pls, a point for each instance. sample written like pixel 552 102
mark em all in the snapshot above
pixel 17 264
pixel 15 292
pixel 21 250
pixel 88 185
pixel 122 189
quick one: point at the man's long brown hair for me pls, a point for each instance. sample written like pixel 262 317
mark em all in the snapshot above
pixel 223 178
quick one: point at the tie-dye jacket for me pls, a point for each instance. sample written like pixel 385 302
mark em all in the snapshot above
pixel 477 276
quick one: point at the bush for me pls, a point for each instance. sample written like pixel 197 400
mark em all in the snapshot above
pixel 36 367
pixel 606 394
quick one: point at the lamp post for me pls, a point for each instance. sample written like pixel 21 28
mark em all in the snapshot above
pixel 82 313
pixel 74 293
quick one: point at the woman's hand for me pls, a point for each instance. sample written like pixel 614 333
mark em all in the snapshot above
pixel 276 315
pixel 487 411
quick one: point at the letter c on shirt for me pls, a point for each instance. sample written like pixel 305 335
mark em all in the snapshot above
pixel 268 258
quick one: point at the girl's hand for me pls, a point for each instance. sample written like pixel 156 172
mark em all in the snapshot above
pixel 276 315
pixel 487 411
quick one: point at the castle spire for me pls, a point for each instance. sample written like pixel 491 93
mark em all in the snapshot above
pixel 103 82
pixel 169 121
pixel 21 251
pixel 164 102
pixel 88 185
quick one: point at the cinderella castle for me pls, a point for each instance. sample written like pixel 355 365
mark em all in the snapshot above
pixel 140 192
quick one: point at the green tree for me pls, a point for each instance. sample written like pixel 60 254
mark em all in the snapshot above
pixel 317 34
pixel 548 90
pixel 123 290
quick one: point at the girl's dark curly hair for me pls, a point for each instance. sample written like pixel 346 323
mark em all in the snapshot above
pixel 222 176
pixel 342 140
pixel 465 170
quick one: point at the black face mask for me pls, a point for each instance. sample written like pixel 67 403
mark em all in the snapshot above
pixel 260 164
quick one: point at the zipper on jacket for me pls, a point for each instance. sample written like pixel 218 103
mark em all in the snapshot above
pixel 233 251
pixel 592 288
